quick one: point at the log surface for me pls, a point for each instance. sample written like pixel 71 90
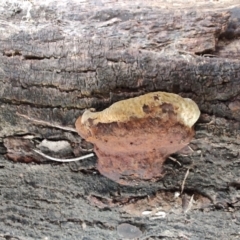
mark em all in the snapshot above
pixel 59 58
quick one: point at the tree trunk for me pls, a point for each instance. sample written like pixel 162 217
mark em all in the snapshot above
pixel 60 58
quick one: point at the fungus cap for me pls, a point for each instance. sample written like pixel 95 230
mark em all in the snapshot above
pixel 133 137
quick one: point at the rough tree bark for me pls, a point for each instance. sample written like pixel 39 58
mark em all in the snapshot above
pixel 58 58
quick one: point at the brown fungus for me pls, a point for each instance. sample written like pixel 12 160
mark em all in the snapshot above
pixel 132 138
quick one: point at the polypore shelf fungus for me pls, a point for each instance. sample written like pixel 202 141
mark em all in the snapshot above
pixel 133 137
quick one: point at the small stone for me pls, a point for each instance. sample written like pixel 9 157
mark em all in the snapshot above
pixel 128 231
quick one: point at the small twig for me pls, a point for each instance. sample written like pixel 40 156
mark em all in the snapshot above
pixel 190 203
pixel 175 160
pixel 44 123
pixel 186 52
pixel 209 55
pixel 190 148
pixel 64 160
pixel 213 121
pixel 184 180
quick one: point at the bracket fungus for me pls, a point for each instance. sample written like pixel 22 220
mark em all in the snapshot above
pixel 133 137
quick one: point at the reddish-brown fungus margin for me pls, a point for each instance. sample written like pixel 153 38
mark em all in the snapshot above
pixel 132 138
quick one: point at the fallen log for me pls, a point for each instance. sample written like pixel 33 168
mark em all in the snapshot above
pixel 59 59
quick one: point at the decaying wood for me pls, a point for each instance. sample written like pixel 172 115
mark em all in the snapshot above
pixel 59 58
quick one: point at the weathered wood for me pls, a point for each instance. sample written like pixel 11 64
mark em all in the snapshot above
pixel 58 59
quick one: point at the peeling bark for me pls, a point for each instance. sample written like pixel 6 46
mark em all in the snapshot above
pixel 58 59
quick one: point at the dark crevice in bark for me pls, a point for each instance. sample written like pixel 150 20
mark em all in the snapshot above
pixel 32 57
